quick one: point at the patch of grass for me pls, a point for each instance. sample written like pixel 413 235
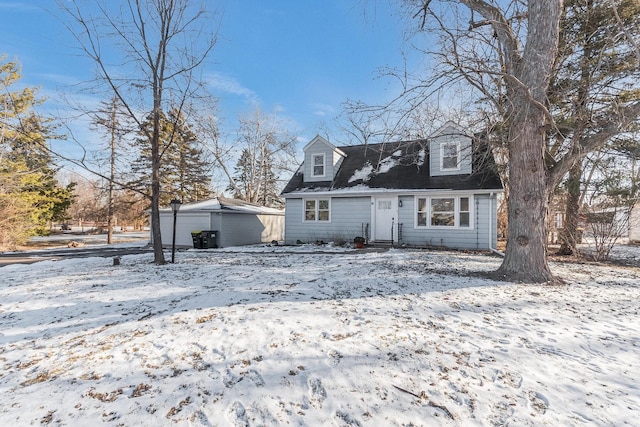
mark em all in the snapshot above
pixel 104 397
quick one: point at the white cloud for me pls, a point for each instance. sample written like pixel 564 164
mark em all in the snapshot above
pixel 18 6
pixel 230 85
pixel 323 110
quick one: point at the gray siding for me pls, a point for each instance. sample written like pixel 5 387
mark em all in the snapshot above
pixel 450 134
pixel 332 160
pixel 475 238
pixel 634 223
pixel 245 229
pixel 348 217
pixel 233 229
pixel 186 222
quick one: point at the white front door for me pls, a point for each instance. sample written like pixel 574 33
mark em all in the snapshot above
pixel 385 219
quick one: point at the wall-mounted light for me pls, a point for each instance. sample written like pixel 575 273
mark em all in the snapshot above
pixel 399 203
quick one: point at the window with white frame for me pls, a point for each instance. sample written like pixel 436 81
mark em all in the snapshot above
pixel 443 212
pixel 464 217
pixel 422 212
pixel 454 212
pixel 318 165
pixel 449 156
pixel 317 210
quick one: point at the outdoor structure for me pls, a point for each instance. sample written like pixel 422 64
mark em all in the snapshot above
pixel 440 191
pixel 230 222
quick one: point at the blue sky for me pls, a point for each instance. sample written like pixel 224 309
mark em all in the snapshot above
pixel 301 58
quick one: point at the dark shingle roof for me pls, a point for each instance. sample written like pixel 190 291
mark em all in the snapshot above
pixel 399 166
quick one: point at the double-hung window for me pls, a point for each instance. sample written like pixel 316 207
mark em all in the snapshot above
pixel 318 165
pixel 449 156
pixel 317 210
pixel 454 212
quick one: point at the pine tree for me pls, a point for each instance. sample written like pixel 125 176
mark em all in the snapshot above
pixel 595 76
pixel 30 195
pixel 185 167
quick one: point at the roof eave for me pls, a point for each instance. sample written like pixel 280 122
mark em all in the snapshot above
pixel 371 191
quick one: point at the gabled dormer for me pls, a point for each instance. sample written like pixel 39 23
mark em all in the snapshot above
pixel 451 151
pixel 321 160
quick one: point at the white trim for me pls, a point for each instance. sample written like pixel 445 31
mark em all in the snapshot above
pixel 440 131
pixel 456 211
pixel 318 138
pixel 373 192
pixel 313 165
pixel 316 210
pixel 458 162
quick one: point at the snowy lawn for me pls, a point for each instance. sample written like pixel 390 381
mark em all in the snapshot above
pixel 267 336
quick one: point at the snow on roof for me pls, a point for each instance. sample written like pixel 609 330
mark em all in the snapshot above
pixel 396 167
pixel 384 166
pixel 226 204
pixel 363 173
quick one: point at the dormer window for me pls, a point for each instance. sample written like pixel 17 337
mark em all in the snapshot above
pixel 449 156
pixel 318 165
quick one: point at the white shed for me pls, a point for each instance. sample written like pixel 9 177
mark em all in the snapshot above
pixel 233 222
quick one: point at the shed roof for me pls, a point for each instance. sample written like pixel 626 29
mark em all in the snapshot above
pixel 221 204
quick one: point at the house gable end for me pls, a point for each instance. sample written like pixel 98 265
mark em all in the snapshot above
pixel 451 151
pixel 321 160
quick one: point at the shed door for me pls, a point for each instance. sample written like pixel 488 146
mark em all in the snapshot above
pixel 384 219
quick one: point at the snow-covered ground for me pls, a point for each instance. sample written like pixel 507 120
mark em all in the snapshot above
pixel 62 239
pixel 269 336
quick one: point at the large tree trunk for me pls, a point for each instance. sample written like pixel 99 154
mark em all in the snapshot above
pixel 526 253
pixel 528 77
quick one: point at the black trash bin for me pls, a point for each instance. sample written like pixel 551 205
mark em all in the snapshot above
pixel 209 239
pixel 197 239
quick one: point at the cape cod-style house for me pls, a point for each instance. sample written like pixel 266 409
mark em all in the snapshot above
pixel 440 191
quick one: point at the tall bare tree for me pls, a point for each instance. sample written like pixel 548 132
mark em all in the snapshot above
pixel 268 149
pixel 111 119
pixel 146 52
pixel 505 52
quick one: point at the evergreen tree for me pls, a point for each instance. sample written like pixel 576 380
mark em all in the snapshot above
pixel 185 167
pixel 113 120
pixel 30 195
pixel 596 75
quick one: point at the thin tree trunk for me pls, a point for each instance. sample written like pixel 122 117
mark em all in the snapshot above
pixel 112 174
pixel 158 254
pixel 568 237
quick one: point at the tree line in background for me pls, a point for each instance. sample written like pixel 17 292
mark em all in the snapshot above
pixel 33 198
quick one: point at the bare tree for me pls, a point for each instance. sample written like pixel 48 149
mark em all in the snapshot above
pixel 156 48
pixel 112 119
pixel 268 149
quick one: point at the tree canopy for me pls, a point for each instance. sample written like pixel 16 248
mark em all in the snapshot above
pixel 186 168
pixel 30 194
